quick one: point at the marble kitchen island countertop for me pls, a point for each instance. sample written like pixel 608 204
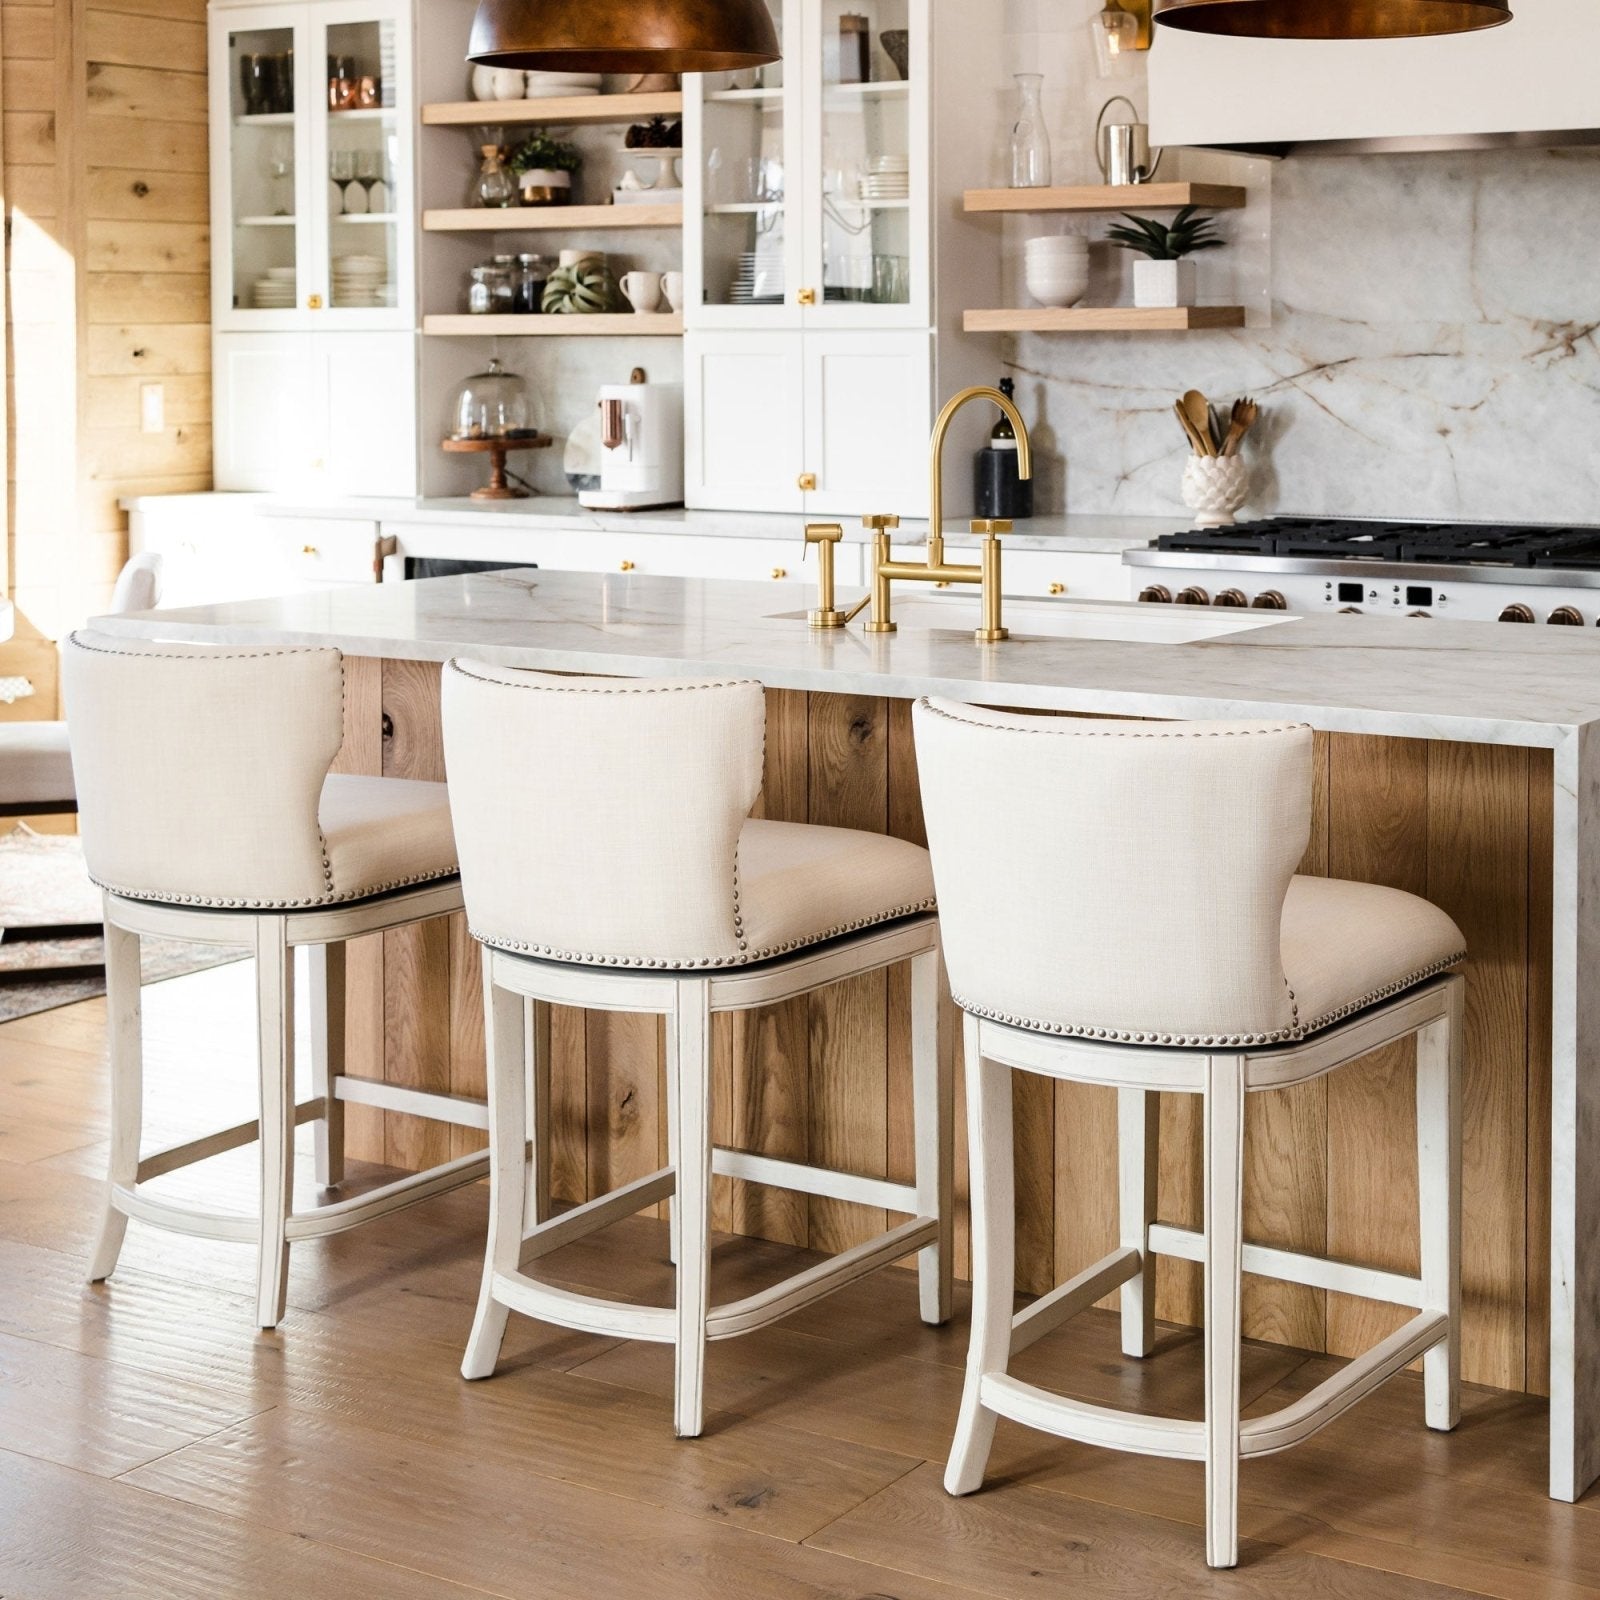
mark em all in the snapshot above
pixel 1475 682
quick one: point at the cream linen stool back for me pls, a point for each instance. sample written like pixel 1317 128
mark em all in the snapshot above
pixel 609 860
pixel 1120 906
pixel 208 814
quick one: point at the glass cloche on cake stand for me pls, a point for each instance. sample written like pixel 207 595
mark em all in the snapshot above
pixel 491 414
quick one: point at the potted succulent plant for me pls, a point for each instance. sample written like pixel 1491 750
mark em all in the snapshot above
pixel 1165 276
pixel 544 167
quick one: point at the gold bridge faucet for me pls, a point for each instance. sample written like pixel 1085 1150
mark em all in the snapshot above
pixel 886 570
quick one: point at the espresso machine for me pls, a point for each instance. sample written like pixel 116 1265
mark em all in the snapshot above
pixel 641 438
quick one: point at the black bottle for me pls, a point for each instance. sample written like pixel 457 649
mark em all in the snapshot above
pixel 998 491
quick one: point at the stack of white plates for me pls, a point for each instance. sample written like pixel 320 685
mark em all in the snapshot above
pixel 274 290
pixel 388 83
pixel 360 281
pixel 560 85
pixel 887 178
pixel 758 281
pixel 1058 268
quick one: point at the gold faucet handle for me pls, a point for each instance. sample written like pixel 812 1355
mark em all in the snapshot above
pixel 992 525
pixel 879 522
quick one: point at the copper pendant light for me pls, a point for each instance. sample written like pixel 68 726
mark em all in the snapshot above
pixel 1331 19
pixel 624 35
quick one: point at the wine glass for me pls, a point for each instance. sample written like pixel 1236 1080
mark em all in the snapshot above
pixel 280 167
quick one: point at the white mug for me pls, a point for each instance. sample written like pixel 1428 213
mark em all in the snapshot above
pixel 672 288
pixel 642 290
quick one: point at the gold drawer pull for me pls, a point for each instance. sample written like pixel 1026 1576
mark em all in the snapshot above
pixel 1058 588
pixel 806 297
pixel 807 481
pixel 780 572
pixel 308 549
pixel 627 566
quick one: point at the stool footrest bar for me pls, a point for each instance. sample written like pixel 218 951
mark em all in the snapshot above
pixel 1091 1424
pixel 1291 1266
pixel 341 1214
pixel 595 1214
pixel 609 1318
pixel 823 1181
pixel 463 1110
pixel 179 1218
pixel 1075 1295
pixel 215 1144
pixel 1261 1436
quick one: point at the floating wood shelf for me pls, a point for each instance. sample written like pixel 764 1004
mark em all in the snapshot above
pixel 1104 319
pixel 623 324
pixel 516 219
pixel 567 108
pixel 1110 197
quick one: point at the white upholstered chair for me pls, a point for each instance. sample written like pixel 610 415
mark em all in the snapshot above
pixel 208 814
pixel 609 860
pixel 35 763
pixel 1137 922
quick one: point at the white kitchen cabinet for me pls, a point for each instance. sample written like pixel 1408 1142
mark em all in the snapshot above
pixel 313 248
pixel 1069 574
pixel 812 277
pixel 1532 75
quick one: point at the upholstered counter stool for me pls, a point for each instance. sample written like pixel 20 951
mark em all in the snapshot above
pixel 208 814
pixel 1167 946
pixel 609 861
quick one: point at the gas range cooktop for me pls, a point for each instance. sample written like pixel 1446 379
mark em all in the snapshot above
pixel 1436 543
pixel 1491 571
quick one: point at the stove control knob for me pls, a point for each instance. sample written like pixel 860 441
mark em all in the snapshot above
pixel 1516 612
pixel 1194 595
pixel 1566 617
pixel 1270 600
pixel 1156 594
pixel 1230 597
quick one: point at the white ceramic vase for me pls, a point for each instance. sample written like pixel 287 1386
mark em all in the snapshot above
pixel 1214 487
pixel 1163 283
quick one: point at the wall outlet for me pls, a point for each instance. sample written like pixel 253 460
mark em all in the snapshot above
pixel 152 408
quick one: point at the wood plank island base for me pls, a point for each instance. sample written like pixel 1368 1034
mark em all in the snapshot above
pixel 1457 761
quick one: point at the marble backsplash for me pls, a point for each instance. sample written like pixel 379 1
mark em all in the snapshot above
pixel 1432 352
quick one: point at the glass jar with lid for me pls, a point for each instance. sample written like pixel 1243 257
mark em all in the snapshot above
pixel 528 279
pixel 492 404
pixel 492 290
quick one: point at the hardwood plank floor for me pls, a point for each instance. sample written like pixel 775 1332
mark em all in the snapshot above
pixel 153 1444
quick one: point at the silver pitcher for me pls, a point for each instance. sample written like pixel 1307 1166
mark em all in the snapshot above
pixel 1123 148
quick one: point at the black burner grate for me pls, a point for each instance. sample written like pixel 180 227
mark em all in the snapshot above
pixel 1432 543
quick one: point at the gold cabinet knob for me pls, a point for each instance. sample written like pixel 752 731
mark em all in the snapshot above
pixel 1058 588
pixel 780 572
pixel 308 549
pixel 807 481
pixel 942 584
pixel 806 297
pixel 627 566
pixel 313 302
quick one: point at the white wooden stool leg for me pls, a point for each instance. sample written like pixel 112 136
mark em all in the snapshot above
pixel 933 1099
pixel 674 1209
pixel 504 1038
pixel 1224 1219
pixel 126 1049
pixel 327 1058
pixel 990 1157
pixel 689 1084
pixel 275 1059
pixel 536 1019
pixel 1138 1166
pixel 1439 1048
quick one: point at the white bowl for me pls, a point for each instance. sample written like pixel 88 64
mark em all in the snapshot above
pixel 1059 288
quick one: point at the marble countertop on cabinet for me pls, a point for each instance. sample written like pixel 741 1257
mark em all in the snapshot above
pixel 1080 533
pixel 1441 680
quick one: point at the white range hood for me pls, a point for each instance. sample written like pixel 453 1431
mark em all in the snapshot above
pixel 1534 80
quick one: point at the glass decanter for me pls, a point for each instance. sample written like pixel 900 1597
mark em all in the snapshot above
pixel 1030 140
pixel 496 187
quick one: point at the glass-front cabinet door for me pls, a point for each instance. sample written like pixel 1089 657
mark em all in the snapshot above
pixel 809 179
pixel 311 166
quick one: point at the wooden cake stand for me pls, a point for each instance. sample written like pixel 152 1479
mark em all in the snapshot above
pixel 497 450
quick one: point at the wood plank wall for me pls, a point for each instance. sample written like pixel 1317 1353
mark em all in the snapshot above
pixel 1331 1165
pixel 102 108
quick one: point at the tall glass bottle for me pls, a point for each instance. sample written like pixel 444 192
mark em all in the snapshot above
pixel 1030 140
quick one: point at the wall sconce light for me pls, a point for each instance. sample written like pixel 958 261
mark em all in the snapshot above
pixel 1119 33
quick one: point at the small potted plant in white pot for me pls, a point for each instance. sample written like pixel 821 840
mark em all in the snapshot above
pixel 544 169
pixel 1164 275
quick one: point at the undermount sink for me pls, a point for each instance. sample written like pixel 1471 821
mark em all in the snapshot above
pixel 1116 620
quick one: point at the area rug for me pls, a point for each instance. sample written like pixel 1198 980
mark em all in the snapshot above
pixel 51 952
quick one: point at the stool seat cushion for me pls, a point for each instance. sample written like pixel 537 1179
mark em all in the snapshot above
pixel 794 884
pixel 1347 946
pixel 35 764
pixel 384 833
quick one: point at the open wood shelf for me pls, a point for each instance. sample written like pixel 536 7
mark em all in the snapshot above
pixel 1103 319
pixel 567 108
pixel 1109 197
pixel 616 324
pixel 517 219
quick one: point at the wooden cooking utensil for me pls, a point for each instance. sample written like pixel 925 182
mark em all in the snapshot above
pixel 1198 412
pixel 1195 444
pixel 1243 419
